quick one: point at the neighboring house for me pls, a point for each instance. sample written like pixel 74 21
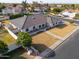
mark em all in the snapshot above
pixel 0 24
pixel 40 9
pixel 37 9
pixel 35 23
pixel 13 10
pixel 59 6
pixel 68 14
pixel 3 18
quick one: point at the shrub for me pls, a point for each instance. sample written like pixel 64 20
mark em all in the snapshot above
pixel 76 16
pixel 16 16
pixel 57 10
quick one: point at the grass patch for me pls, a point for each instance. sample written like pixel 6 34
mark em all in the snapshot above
pixel 43 41
pixel 6 37
pixel 63 30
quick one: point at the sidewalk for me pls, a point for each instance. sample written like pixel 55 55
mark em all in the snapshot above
pixel 70 33
pixel 54 46
pixel 54 35
pixel 51 47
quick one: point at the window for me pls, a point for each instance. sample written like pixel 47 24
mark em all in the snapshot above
pixel 39 26
pixel 42 25
pixel 56 22
pixel 34 28
pixel 53 24
pixel 27 29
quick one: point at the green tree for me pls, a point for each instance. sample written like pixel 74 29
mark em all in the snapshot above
pixel 48 8
pixel 24 39
pixel 24 4
pixel 16 16
pixel 35 4
pixel 57 10
pixel 3 47
pixel 1 7
pixel 76 16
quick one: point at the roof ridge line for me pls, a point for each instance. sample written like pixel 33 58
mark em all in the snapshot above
pixel 24 22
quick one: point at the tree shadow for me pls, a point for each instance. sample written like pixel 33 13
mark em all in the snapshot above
pixel 17 54
pixel 41 48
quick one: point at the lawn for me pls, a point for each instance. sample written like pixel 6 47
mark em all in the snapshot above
pixel 6 37
pixel 6 22
pixel 43 41
pixel 63 30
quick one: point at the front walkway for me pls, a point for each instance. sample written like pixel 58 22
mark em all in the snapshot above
pixel 54 35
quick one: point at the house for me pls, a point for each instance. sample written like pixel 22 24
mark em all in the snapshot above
pixel 40 9
pixel 68 14
pixel 37 9
pixel 13 10
pixel 34 23
pixel 2 18
pixel 31 24
pixel 0 24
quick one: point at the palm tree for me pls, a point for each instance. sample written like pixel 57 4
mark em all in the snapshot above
pixel 24 4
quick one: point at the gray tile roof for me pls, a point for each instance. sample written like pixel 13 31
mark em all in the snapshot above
pixel 35 19
pixel 28 21
pixel 18 22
